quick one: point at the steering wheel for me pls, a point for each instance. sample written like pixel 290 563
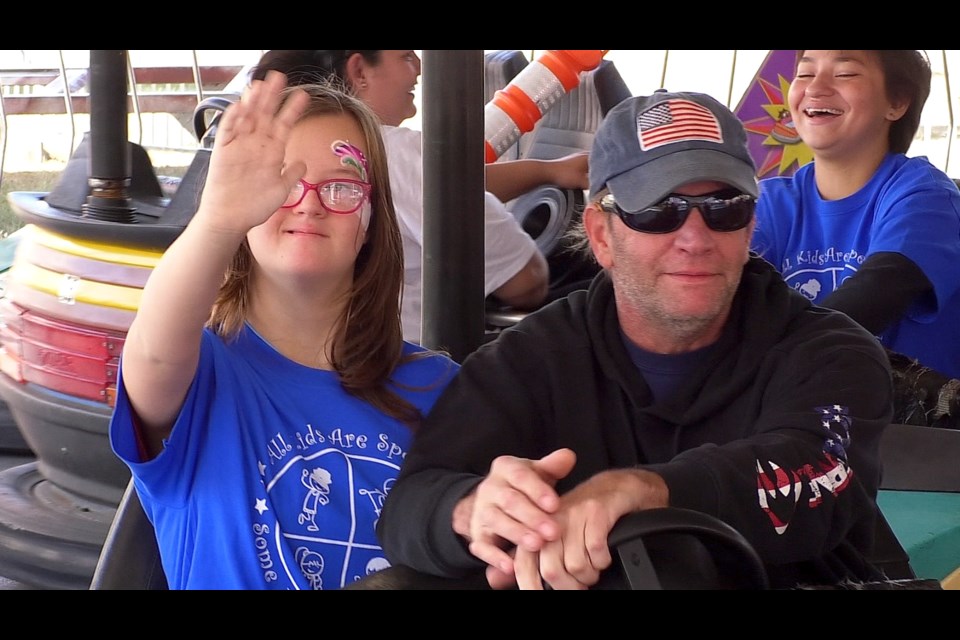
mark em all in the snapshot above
pixel 663 549
pixel 206 129
pixel 673 548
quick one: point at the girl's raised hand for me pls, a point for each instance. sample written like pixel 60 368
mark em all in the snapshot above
pixel 247 180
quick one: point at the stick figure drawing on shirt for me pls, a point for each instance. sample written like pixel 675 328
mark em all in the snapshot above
pixel 377 496
pixel 318 484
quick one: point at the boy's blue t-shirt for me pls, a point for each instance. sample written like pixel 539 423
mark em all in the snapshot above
pixel 908 207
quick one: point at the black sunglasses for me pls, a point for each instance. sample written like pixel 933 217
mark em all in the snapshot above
pixel 727 210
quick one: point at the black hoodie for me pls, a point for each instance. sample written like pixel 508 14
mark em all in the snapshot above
pixel 778 434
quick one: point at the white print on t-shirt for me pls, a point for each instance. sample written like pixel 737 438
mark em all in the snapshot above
pixel 311 564
pixel 329 486
pixel 279 447
pixel 377 496
pixel 810 289
pixel 813 283
pixel 820 258
pixel 817 272
pixel 317 483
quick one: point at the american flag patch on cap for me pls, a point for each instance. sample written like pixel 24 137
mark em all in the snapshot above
pixel 676 121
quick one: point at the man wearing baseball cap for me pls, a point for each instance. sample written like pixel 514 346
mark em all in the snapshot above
pixel 688 376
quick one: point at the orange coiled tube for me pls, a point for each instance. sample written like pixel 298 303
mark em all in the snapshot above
pixel 516 108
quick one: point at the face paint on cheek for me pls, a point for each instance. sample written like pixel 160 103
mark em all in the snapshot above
pixel 350 156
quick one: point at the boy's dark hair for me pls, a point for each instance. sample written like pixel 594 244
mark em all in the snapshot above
pixel 908 75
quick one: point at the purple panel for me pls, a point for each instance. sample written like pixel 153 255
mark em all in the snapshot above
pixel 774 144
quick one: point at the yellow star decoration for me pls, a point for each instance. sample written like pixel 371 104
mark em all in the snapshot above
pixel 780 133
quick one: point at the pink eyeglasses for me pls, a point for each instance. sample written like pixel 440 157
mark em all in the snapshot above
pixel 338 195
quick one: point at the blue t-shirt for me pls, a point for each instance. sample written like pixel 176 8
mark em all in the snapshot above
pixel 908 207
pixel 273 477
pixel 664 373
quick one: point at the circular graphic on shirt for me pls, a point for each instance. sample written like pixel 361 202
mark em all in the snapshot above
pixel 817 283
pixel 336 497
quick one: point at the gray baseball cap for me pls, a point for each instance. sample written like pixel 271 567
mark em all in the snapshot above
pixel 647 146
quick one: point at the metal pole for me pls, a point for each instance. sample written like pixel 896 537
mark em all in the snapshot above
pixel 453 193
pixel 110 163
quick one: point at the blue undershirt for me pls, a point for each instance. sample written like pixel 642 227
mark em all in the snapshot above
pixel 665 373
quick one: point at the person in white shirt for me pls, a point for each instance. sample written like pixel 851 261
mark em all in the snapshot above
pixel 516 272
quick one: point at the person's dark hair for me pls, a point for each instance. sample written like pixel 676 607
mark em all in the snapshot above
pixel 311 66
pixel 368 340
pixel 907 76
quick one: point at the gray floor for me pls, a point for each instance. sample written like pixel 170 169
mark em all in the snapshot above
pixel 12 585
pixel 7 461
pixel 13 459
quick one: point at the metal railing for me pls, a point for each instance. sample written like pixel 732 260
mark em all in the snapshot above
pixel 162 100
pixel 176 89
